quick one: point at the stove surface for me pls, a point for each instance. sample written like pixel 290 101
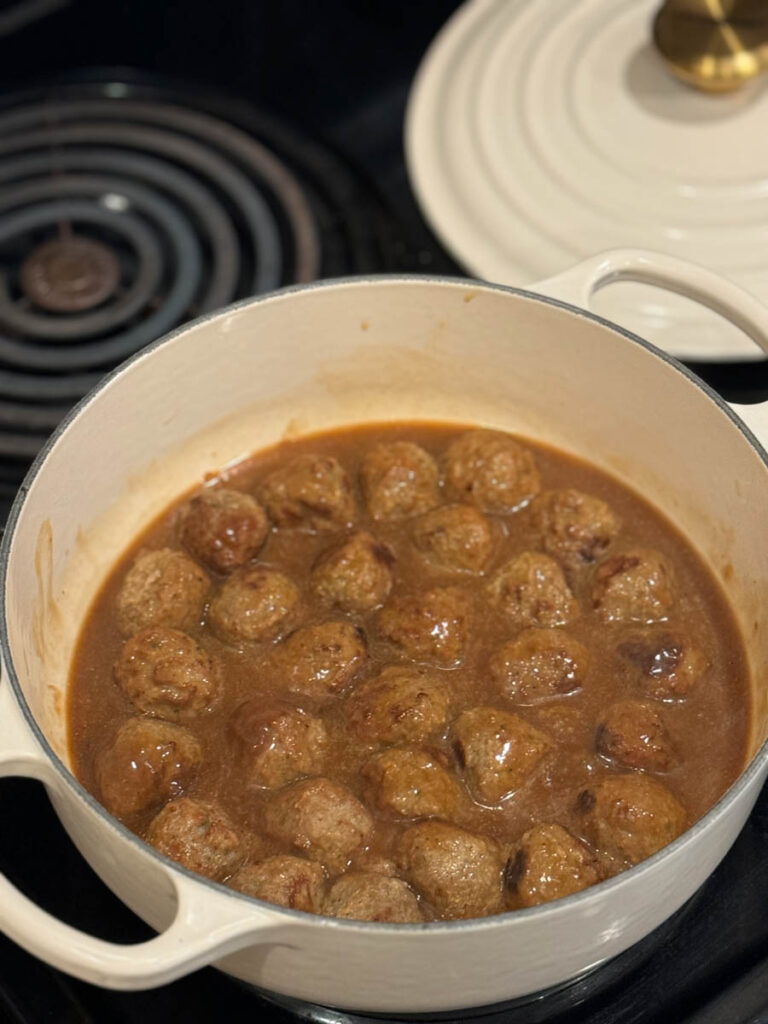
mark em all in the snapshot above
pixel 148 174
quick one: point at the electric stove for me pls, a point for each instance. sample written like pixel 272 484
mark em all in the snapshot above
pixel 158 160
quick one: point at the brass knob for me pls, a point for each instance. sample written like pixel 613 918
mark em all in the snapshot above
pixel 714 45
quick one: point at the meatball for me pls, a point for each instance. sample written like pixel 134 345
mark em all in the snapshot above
pixel 166 673
pixel 162 588
pixel 321 819
pixel 492 471
pixel 312 492
pixel 631 816
pixel 288 881
pixel 547 864
pixel 669 665
pixel 409 783
pixel 538 664
pixel 457 538
pixel 277 743
pixel 223 529
pixel 148 762
pixel 634 586
pixel 497 750
pixel 399 480
pixel 255 604
pixel 402 704
pixel 318 661
pixel 531 590
pixel 372 897
pixel 355 575
pixel 575 528
pixel 432 626
pixel 373 863
pixel 633 735
pixel 199 836
pixel 458 872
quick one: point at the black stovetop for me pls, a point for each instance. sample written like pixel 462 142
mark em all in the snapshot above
pixel 322 87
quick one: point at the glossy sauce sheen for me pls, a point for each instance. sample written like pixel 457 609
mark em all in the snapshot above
pixel 708 729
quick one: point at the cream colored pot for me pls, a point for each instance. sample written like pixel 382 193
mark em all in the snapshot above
pixel 339 353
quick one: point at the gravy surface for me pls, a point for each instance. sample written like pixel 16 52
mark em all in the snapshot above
pixel 708 729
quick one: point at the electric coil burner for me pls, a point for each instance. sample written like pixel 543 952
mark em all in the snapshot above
pixel 119 220
pixel 126 211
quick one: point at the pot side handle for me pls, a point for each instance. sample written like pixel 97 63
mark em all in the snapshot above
pixel 195 937
pixel 578 284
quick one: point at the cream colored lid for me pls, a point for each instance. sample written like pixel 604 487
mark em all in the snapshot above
pixel 542 131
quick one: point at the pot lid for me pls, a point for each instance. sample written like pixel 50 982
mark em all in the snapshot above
pixel 539 134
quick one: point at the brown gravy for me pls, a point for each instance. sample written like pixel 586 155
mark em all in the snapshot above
pixel 708 729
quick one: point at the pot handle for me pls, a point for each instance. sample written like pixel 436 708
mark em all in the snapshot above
pixel 195 937
pixel 579 283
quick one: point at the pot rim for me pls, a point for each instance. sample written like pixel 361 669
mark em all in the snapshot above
pixel 751 771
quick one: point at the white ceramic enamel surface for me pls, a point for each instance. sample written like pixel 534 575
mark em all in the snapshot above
pixel 307 359
pixel 541 133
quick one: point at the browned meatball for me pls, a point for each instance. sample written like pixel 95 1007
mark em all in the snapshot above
pixel 538 664
pixel 166 673
pixel 321 819
pixel 399 480
pixel 547 864
pixel 458 872
pixel 355 575
pixel 631 816
pixel 497 750
pixel 277 743
pixel 575 528
pixel 454 537
pixel 634 586
pixel 223 529
pixel 633 735
pixel 531 590
pixel 492 471
pixel 288 881
pixel 372 897
pixel 410 783
pixel 199 836
pixel 312 492
pixel 432 626
pixel 148 762
pixel 402 704
pixel 255 604
pixel 373 864
pixel 669 665
pixel 319 661
pixel 162 588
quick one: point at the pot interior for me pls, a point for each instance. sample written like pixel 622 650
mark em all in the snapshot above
pixel 375 350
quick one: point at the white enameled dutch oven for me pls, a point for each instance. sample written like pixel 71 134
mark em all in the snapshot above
pixel 340 353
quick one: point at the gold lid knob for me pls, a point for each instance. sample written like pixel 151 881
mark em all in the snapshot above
pixel 714 45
